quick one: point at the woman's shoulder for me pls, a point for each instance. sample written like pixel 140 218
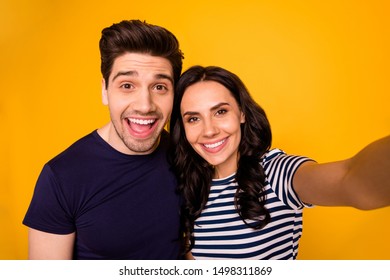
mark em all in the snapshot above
pixel 272 154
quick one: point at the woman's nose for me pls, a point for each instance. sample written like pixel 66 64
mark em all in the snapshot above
pixel 210 129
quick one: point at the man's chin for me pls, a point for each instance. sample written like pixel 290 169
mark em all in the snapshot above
pixel 142 147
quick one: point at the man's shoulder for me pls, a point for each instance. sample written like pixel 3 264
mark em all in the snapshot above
pixel 76 150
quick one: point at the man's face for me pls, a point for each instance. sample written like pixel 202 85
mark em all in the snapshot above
pixel 140 99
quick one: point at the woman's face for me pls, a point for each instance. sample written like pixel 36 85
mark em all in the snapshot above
pixel 212 119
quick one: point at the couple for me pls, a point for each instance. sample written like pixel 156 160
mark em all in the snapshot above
pixel 129 190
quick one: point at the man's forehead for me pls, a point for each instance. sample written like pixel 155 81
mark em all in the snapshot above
pixel 134 64
pixel 149 75
pixel 137 60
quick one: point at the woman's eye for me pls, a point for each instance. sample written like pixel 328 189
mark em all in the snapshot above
pixel 192 119
pixel 221 112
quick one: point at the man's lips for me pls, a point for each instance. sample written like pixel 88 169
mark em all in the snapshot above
pixel 140 127
pixel 141 121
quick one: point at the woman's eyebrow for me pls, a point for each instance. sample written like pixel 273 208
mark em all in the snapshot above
pixel 219 105
pixel 215 107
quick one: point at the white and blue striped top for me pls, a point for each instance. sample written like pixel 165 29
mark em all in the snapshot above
pixel 221 234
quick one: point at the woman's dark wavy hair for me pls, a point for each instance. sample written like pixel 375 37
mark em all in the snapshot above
pixel 195 174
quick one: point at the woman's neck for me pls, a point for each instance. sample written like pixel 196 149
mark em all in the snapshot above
pixel 220 173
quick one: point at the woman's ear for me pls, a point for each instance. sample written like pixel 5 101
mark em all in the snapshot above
pixel 242 117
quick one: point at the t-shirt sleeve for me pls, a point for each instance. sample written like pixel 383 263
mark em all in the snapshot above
pixel 280 169
pixel 48 209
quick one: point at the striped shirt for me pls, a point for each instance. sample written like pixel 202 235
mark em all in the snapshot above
pixel 220 233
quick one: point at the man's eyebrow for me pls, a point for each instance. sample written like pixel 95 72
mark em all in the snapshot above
pixel 135 73
pixel 124 73
pixel 165 77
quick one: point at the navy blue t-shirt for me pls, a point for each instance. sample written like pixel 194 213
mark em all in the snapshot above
pixel 120 206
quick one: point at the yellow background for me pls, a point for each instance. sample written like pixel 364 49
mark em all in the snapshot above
pixel 319 68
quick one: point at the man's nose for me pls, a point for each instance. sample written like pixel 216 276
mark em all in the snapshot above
pixel 144 102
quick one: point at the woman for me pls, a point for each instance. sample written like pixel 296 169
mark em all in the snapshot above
pixel 243 200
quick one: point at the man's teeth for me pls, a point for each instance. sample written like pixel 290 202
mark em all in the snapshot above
pixel 214 145
pixel 142 122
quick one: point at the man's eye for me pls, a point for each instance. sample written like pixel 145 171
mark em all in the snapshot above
pixel 161 87
pixel 126 86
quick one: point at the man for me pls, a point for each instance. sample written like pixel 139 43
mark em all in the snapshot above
pixel 112 195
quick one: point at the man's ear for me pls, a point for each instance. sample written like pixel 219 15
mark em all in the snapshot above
pixel 104 92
